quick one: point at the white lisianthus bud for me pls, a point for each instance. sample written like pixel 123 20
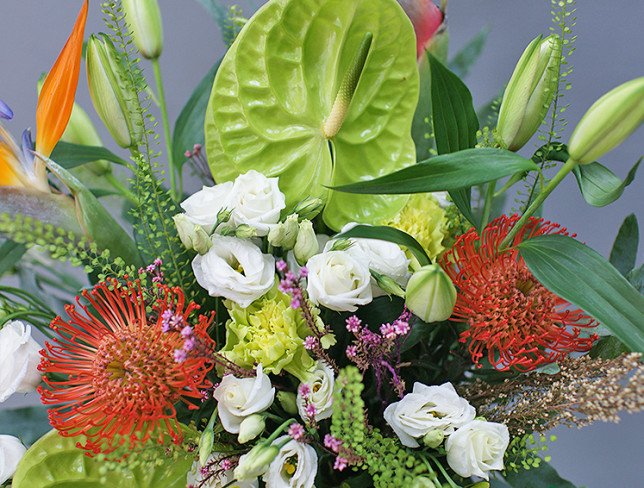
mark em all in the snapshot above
pixel 223 479
pixel 434 438
pixel 321 382
pixel 284 234
pixel 608 122
pixel 11 452
pixel 19 358
pixel 306 244
pixel 338 281
pixel 427 409
pixel 251 427
pixel 477 448
pixel 238 398
pixel 256 461
pixel 430 294
pixel 144 18
pixel 295 465
pixel 257 201
pixel 193 236
pixel 529 93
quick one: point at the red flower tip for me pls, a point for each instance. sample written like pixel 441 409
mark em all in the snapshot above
pixel 426 18
pixel 511 317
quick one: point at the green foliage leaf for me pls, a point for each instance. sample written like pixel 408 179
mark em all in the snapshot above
pixel 608 348
pixel 636 278
pixel 276 87
pixel 27 424
pixel 55 461
pixel 421 128
pixel 188 129
pixel 624 252
pixel 453 171
pixel 580 275
pixel 543 476
pixel 70 155
pixel 389 234
pixel 463 61
pixel 10 254
pixel 599 185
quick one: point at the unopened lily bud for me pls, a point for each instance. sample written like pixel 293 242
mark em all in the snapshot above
pixel 251 427
pixel 144 18
pixel 434 438
pixel 256 461
pixel 309 208
pixel 431 295
pixel 284 234
pixel 387 284
pixel 529 93
pixel 608 122
pixel 288 401
pixel 193 236
pixel 245 231
pixel 306 244
pixel 114 98
pixel 206 442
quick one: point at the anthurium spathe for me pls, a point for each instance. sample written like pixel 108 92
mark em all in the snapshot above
pixel 427 19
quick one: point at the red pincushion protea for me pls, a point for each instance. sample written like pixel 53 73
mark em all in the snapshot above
pixel 511 316
pixel 121 378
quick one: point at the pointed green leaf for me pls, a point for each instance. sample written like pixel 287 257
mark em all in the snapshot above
pixel 599 185
pixel 10 254
pixel 275 89
pixel 636 278
pixel 461 64
pixel 608 348
pixel 580 275
pixel 624 252
pixel 422 130
pixel 543 476
pixel 70 155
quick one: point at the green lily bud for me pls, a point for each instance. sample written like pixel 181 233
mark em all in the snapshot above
pixel 114 98
pixel 256 461
pixel 284 234
pixel 309 208
pixel 206 442
pixel 251 427
pixel 306 244
pixel 193 236
pixel 529 93
pixel 245 231
pixel 431 294
pixel 434 438
pixel 144 18
pixel 288 401
pixel 387 284
pixel 608 122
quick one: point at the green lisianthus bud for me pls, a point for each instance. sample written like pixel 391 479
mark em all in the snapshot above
pixel 306 244
pixel 245 231
pixel 206 442
pixel 387 284
pixel 608 122
pixel 114 98
pixel 284 234
pixel 431 294
pixel 251 427
pixel 529 93
pixel 193 236
pixel 309 208
pixel 434 438
pixel 256 461
pixel 144 18
pixel 288 401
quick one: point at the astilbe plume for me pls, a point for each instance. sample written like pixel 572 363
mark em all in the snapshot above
pixel 111 373
pixel 510 316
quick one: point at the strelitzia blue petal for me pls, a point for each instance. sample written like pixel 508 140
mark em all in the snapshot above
pixel 27 147
pixel 5 111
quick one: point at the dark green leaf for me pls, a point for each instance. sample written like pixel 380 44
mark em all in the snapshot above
pixel 27 424
pixel 543 476
pixel 636 278
pixel 462 198
pixel 188 130
pixel 608 348
pixel 624 252
pixel 466 57
pixel 421 127
pixel 580 275
pixel 70 155
pixel 461 169
pixel 599 185
pixel 10 254
pixel 389 234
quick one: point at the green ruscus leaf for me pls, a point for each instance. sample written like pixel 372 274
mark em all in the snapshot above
pixel 599 185
pixel 580 275
pixel 624 252
pixel 70 155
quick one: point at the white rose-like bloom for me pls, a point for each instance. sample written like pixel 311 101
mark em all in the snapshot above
pixel 321 383
pixel 237 398
pixel 19 358
pixel 11 452
pixel 223 478
pixel 202 207
pixel 476 448
pixel 235 269
pixel 338 281
pixel 257 201
pixel 294 467
pixel 425 409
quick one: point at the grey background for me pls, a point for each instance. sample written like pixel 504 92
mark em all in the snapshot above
pixel 610 50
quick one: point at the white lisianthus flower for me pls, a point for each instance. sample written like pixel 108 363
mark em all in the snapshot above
pixel 19 358
pixel 426 409
pixel 11 452
pixel 294 467
pixel 235 269
pixel 338 281
pixel 223 478
pixel 257 201
pixel 238 398
pixel 383 257
pixel 202 207
pixel 476 448
pixel 321 383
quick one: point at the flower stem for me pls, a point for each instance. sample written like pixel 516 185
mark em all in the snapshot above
pixel 122 189
pixel 487 206
pixel 534 206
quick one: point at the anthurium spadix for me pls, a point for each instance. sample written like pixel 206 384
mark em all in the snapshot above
pixel 275 107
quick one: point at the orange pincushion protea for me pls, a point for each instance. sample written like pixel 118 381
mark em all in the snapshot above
pixel 511 317
pixel 121 377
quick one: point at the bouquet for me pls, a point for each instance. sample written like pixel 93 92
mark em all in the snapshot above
pixel 345 302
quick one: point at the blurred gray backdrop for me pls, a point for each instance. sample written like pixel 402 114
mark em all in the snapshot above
pixel 610 50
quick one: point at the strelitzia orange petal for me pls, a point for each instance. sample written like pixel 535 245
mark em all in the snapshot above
pixel 56 98
pixel 8 177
